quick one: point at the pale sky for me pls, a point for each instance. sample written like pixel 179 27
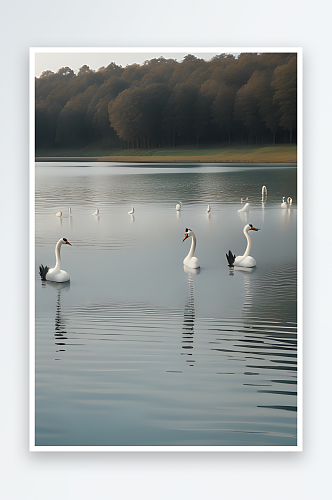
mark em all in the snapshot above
pixel 56 60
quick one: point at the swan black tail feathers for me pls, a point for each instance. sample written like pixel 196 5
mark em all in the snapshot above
pixel 230 258
pixel 43 271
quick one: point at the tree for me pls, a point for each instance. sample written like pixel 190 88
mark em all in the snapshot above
pixel 46 73
pixel 223 56
pixel 134 72
pixel 158 74
pixel 285 85
pixel 136 114
pixel 84 69
pixel 111 70
pixel 179 113
pixel 72 126
pixel 263 94
pixel 191 57
pixel 202 122
pixel 66 71
pixel 222 110
pixel 246 110
pixel 97 113
pixel 157 61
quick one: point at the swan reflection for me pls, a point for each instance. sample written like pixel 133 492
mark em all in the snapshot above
pixel 132 216
pixel 244 216
pixel 189 320
pixel 285 217
pixel 264 198
pixel 190 270
pixel 60 331
pixel 247 305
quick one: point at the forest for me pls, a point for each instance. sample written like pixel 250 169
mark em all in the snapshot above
pixel 249 99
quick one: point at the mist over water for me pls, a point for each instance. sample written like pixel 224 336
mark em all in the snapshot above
pixel 137 350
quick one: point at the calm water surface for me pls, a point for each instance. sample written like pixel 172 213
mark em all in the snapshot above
pixel 135 350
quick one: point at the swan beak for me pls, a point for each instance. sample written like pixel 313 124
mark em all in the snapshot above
pixel 67 243
pixel 254 228
pixel 185 237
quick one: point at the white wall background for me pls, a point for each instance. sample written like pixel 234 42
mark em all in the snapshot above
pixel 163 475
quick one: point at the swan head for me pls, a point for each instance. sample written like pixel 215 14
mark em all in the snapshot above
pixel 250 227
pixel 64 241
pixel 187 234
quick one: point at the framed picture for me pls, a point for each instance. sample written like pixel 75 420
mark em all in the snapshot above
pixel 166 249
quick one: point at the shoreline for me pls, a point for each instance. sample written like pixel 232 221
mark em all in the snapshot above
pixel 229 155
pixel 158 159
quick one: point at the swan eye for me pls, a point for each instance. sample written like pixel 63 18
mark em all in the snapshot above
pixel 250 225
pixel 65 240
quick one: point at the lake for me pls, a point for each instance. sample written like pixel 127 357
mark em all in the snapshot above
pixel 136 350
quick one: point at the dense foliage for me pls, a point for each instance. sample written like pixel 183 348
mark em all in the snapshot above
pixel 251 99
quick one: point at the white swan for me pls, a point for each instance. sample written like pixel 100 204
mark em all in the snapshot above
pixel 289 200
pixel 55 274
pixel 190 260
pixel 245 208
pixel 178 206
pixel 208 209
pixel 284 204
pixel 244 260
pixel 244 199
pixel 131 211
pixel 264 191
pixel 96 212
pixel 58 214
pixel 69 211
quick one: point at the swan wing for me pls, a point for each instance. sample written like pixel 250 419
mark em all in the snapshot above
pixel 43 271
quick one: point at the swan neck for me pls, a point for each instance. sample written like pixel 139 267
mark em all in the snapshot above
pixel 57 256
pixel 192 248
pixel 246 253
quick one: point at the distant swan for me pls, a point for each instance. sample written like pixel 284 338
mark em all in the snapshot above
pixel 264 190
pixel 58 214
pixel 245 208
pixel 96 212
pixel 208 209
pixel 55 274
pixel 69 211
pixel 289 200
pixel 131 211
pixel 178 206
pixel 244 260
pixel 284 204
pixel 190 260
pixel 244 199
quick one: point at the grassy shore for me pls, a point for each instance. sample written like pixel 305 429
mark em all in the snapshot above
pixel 279 153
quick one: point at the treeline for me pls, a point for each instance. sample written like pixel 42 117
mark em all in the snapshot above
pixel 251 99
